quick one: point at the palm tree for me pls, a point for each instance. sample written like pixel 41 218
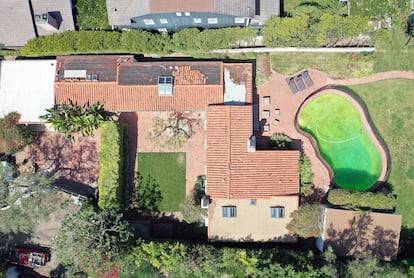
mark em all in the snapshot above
pixel 69 118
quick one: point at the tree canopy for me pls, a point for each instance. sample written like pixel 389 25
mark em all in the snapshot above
pixel 71 119
pixel 91 240
pixel 306 221
pixel 13 136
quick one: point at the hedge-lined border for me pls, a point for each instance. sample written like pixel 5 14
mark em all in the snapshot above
pixel 111 166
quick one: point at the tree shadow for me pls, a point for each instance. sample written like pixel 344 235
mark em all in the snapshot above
pixel 362 237
pixel 59 157
pixel 147 195
pixel 130 119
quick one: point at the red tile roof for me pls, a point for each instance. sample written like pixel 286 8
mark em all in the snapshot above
pixel 138 98
pixel 235 173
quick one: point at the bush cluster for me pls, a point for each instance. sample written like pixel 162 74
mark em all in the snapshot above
pixel 307 31
pixel 13 136
pixel 134 41
pixel 111 163
pixel 358 199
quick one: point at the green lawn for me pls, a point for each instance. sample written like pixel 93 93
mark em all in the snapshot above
pixel 390 104
pixel 168 169
pixel 337 65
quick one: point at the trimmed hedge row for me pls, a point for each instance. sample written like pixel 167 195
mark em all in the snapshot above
pixel 111 163
pixel 358 199
pixel 134 41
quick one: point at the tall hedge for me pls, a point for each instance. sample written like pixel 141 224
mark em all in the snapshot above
pixel 134 41
pixel 358 199
pixel 111 164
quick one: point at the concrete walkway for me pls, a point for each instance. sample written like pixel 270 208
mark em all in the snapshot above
pixel 296 49
pixel 288 105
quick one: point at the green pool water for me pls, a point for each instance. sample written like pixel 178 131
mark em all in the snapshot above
pixel 342 140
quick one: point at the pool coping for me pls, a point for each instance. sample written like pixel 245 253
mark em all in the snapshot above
pixel 367 122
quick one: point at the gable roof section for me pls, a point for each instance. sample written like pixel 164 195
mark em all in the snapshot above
pixel 105 66
pixel 185 73
pixel 235 173
pixel 162 6
pixel 138 98
pixel 352 233
pixel 126 85
pixel 16 23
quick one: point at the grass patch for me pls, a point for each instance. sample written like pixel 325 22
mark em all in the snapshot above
pixel 91 14
pixel 168 169
pixel 390 106
pixel 336 65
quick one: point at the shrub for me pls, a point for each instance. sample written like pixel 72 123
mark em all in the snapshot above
pixel 111 162
pixel 280 141
pixel 306 221
pixel 358 199
pixel 305 170
pixel 13 136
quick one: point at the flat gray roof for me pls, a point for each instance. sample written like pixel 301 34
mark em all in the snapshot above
pixel 26 86
pixel 16 23
pixel 61 10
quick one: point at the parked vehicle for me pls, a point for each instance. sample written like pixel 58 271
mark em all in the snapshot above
pixel 29 257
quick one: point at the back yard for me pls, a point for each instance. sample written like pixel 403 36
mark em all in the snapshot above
pixel 168 171
pixel 391 108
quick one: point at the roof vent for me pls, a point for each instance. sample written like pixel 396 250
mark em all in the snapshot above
pixel 251 144
pixel 47 21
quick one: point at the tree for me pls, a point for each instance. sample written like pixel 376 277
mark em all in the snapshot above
pixel 30 201
pixel 306 221
pixel 13 136
pixel 174 131
pixel 70 119
pixel 92 240
pixel 280 141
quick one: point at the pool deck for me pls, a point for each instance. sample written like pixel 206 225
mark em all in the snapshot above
pixel 289 104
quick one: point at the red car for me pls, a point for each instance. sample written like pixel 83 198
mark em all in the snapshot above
pixel 29 257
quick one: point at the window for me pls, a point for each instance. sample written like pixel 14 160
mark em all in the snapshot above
pixel 149 22
pixel 212 20
pixel 229 211
pixel 266 128
pixel 178 14
pixel 197 20
pixel 253 202
pixel 277 212
pixel 266 114
pixel 239 20
pixel 164 21
pixel 165 85
pixel 266 100
pixel 187 14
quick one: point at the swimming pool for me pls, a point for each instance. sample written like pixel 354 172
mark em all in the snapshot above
pixel 342 140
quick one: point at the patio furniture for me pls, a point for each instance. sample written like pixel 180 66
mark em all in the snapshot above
pixel 277 112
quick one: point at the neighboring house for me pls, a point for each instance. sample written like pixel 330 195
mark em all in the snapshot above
pixel 26 86
pixel 251 193
pixel 358 234
pixel 125 12
pixel 21 20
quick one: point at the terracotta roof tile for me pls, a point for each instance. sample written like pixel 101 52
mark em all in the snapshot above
pixel 235 173
pixel 138 98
